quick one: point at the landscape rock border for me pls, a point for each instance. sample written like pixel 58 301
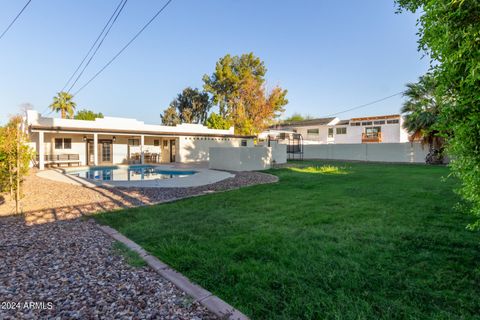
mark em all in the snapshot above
pixel 213 303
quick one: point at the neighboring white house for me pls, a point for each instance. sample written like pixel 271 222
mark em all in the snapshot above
pixel 112 140
pixel 374 129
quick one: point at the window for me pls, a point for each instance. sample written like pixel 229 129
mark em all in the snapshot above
pixel 342 130
pixel 244 143
pixel 367 123
pixel 58 143
pixel 156 143
pixel 330 132
pixel 106 151
pixel 133 142
pixel 379 122
pixel 312 131
pixel 393 121
pixel 67 143
pixel 355 124
pixel 63 143
pixel 372 131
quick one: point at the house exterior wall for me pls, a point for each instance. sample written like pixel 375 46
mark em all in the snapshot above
pixel 120 150
pixel 192 141
pixel 353 135
pixel 78 145
pixel 188 148
pixel 321 137
pixel 391 133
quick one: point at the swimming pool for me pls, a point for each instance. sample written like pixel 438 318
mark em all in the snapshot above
pixel 129 173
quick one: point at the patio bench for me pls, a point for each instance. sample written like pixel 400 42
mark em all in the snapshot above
pixel 59 159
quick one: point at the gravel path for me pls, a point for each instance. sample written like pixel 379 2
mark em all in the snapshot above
pixel 47 200
pixel 70 267
pixel 53 265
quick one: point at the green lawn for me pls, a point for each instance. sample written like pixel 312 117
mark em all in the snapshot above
pixel 366 241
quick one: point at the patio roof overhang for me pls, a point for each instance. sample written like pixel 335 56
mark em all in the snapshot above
pixel 37 128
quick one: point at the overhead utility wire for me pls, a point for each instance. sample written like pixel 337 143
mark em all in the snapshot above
pixel 91 48
pixel 124 47
pixel 15 19
pixel 104 32
pixel 366 104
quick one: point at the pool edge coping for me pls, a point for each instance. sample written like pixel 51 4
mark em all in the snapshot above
pixel 201 177
pixel 207 299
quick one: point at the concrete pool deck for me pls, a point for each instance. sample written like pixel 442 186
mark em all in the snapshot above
pixel 203 176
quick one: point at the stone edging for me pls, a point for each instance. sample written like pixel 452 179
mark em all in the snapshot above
pixel 213 303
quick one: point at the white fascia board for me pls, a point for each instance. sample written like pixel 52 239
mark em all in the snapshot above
pixel 114 123
pixel 333 122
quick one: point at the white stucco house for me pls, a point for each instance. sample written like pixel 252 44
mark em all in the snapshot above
pixel 371 129
pixel 111 140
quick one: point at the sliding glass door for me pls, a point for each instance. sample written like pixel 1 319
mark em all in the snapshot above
pixel 106 147
pixel 104 152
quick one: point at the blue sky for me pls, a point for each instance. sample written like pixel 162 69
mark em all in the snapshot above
pixel 330 55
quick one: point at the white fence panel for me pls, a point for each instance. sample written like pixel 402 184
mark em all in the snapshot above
pixel 382 152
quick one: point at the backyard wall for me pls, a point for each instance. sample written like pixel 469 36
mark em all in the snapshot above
pixel 279 153
pixel 381 152
pixel 245 158
pixel 279 150
pixel 192 149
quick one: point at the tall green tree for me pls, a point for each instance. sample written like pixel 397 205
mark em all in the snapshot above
pixel 449 32
pixel 192 105
pixel 255 107
pixel 295 117
pixel 170 116
pixel 238 89
pixel 298 117
pixel 216 121
pixel 421 110
pixel 229 74
pixel 87 115
pixel 63 103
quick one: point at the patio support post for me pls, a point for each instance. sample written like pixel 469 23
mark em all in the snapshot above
pixel 41 151
pixel 142 154
pixel 95 149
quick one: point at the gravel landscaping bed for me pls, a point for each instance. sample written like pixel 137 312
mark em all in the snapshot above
pixel 53 265
pixel 47 200
pixel 70 270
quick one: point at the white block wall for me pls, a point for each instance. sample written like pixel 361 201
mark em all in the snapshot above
pixel 193 149
pixel 240 159
pixel 381 152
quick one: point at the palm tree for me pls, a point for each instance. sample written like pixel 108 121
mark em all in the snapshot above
pixel 63 102
pixel 421 112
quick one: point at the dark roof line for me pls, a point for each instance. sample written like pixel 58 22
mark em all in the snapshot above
pixel 309 122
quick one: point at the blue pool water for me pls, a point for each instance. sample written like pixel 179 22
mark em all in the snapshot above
pixel 129 173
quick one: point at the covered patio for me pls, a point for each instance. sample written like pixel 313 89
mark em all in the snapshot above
pixel 94 149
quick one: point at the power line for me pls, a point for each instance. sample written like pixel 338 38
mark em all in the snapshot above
pixel 93 45
pixel 366 104
pixel 13 21
pixel 124 47
pixel 99 44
